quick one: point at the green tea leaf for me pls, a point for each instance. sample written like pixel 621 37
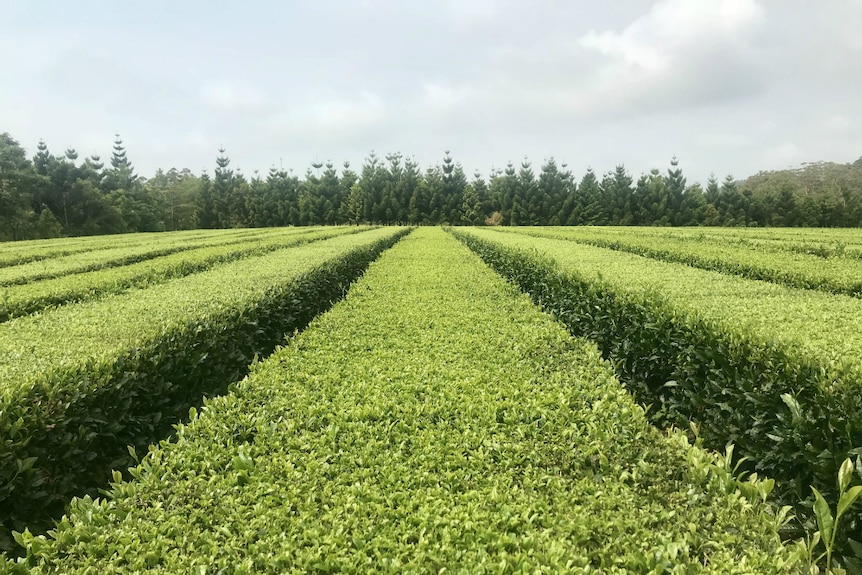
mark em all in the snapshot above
pixel 825 521
pixel 847 499
pixel 845 475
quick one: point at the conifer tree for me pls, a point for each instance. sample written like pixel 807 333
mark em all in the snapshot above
pixel 471 214
pixel 222 189
pixel 41 159
pixel 589 210
pixel 207 217
pixel 454 182
pixel 675 184
pixel 121 176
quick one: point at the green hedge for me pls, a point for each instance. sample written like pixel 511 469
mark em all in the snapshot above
pixel 20 300
pixel 116 252
pixel 794 414
pixel 434 421
pixel 21 252
pixel 128 367
pixel 835 274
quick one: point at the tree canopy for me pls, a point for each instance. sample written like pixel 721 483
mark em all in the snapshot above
pixel 52 195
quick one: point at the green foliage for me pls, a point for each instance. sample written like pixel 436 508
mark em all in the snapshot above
pixel 105 254
pixel 766 367
pixel 17 180
pixel 82 382
pixel 827 525
pixel 51 196
pixel 817 194
pixel 433 421
pixel 19 300
pixel 16 253
pixel 804 266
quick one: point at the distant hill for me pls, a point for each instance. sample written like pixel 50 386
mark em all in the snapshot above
pixel 816 194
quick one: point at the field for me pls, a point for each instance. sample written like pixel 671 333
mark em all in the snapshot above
pixel 389 400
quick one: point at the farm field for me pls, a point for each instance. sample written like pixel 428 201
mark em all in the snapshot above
pixel 106 255
pixel 434 419
pixel 81 382
pixel 24 299
pixel 772 368
pixel 14 253
pixel 834 267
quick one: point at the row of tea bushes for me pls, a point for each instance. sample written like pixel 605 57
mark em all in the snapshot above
pixel 19 300
pixel 118 251
pixel 433 421
pixel 82 382
pixel 772 369
pixel 20 252
pixel 835 274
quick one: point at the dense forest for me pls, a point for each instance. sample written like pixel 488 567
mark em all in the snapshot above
pixel 52 195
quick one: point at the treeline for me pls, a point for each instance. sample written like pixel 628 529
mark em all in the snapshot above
pixel 50 196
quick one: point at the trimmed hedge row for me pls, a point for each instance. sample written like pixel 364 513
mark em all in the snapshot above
pixel 128 367
pixel 25 299
pixel 119 252
pixel 25 251
pixel 834 275
pixel 433 421
pixel 840 245
pixel 788 236
pixel 795 414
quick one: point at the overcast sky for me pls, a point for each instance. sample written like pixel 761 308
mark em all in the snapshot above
pixel 728 86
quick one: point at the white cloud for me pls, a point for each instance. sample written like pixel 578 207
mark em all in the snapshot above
pixel 783 155
pixel 681 51
pixel 438 99
pixel 224 96
pixel 726 85
pixel 672 29
pixel 627 48
pixel 723 140
pixel 839 124
pixel 335 118
pixel 471 12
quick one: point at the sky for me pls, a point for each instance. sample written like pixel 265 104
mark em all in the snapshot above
pixel 726 86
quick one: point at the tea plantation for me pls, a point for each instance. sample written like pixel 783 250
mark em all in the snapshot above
pixel 357 399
